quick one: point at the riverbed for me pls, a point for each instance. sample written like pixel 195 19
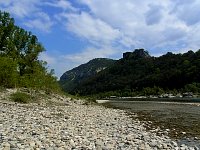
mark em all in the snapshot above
pixel 180 118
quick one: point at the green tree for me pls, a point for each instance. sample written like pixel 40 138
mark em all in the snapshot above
pixel 193 87
pixel 6 32
pixel 8 72
pixel 19 51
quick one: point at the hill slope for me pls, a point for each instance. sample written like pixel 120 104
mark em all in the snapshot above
pixel 72 78
pixel 138 70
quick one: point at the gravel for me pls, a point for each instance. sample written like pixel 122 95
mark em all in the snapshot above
pixel 73 125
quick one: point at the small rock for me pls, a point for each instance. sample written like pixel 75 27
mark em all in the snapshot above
pixel 121 144
pixel 165 146
pixel 183 132
pixel 183 147
pixel 6 148
pixel 32 144
pixel 72 143
pixel 174 144
pixel 153 143
pixel 61 148
pixel 6 144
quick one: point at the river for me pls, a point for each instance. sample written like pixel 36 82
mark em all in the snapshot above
pixel 180 117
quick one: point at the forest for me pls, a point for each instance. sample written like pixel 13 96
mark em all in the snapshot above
pixel 19 63
pixel 138 73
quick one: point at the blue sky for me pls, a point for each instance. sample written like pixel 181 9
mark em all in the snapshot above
pixel 76 31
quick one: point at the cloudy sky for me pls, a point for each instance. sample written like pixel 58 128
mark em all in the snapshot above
pixel 76 31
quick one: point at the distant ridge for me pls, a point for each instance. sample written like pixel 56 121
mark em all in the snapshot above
pixel 72 78
pixel 138 70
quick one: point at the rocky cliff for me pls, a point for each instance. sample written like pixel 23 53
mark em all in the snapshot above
pixel 72 78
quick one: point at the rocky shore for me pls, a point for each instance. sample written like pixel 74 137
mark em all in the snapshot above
pixel 71 124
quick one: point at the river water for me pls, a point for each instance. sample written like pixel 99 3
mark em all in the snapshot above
pixel 181 118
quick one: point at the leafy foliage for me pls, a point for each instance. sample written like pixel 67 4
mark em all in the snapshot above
pixel 139 72
pixel 8 72
pixel 19 64
pixel 20 97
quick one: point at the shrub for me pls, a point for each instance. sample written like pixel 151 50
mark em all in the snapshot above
pixel 8 72
pixel 2 89
pixel 20 97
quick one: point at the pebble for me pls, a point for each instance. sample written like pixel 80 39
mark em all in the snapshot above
pixel 74 126
pixel 32 144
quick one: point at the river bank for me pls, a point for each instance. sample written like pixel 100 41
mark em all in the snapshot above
pixel 71 124
pixel 180 119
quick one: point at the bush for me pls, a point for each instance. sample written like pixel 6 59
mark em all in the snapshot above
pixel 8 72
pixel 2 89
pixel 20 97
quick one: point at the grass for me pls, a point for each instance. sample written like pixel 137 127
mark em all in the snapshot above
pixel 2 89
pixel 21 97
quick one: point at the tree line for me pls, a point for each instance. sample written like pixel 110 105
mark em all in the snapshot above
pixel 140 74
pixel 19 63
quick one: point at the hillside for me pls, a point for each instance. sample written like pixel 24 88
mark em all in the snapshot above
pixel 72 78
pixel 138 70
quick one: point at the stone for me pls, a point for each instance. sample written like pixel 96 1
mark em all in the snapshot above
pixel 174 144
pixel 38 143
pixel 20 146
pixel 142 147
pixel 6 148
pixel 76 126
pixel 72 143
pixel 61 148
pixel 196 148
pixel 165 146
pixel 153 143
pixel 6 144
pixel 32 144
pixel 50 148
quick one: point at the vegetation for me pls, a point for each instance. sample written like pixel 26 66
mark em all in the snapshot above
pixel 19 64
pixel 72 78
pixel 137 73
pixel 20 97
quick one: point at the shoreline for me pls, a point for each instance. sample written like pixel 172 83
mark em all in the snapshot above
pixel 155 118
pixel 152 100
pixel 73 125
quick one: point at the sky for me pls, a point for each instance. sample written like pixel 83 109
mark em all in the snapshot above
pixel 76 31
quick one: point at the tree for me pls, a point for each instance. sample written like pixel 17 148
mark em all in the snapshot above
pixel 19 51
pixel 6 32
pixel 8 72
pixel 18 44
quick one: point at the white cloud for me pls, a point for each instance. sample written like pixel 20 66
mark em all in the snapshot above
pixel 55 61
pixel 41 21
pixel 62 63
pixel 110 25
pixel 90 53
pixel 130 24
pixel 150 24
pixel 153 15
pixel 20 8
pixel 65 5
pixel 188 11
pixel 93 29
pixel 46 57
pixel 30 13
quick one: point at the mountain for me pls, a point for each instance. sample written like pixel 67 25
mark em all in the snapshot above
pixel 72 78
pixel 138 70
